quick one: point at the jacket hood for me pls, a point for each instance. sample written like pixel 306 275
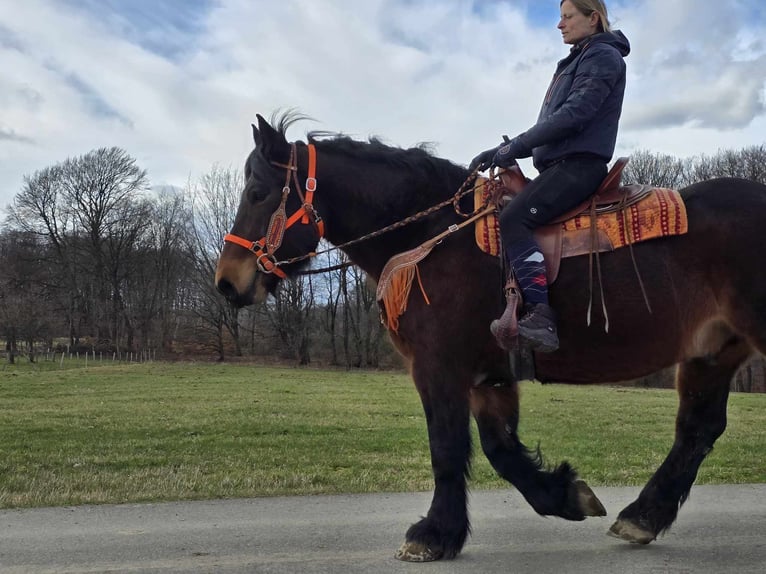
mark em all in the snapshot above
pixel 614 38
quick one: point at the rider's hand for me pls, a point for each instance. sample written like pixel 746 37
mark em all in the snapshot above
pixel 506 154
pixel 484 159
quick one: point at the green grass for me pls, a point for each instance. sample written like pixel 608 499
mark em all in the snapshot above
pixel 157 431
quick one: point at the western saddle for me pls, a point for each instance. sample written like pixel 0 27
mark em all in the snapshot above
pixel 610 196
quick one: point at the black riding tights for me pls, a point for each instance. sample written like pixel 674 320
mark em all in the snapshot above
pixel 555 191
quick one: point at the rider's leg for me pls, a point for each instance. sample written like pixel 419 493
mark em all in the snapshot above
pixel 555 191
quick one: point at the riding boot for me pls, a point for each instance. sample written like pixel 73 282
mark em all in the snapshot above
pixel 538 327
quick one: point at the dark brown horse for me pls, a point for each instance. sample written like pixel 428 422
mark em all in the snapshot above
pixel 707 290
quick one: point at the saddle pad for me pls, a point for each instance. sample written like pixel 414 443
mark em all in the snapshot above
pixel 661 213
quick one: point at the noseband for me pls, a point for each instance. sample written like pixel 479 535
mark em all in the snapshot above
pixel 267 245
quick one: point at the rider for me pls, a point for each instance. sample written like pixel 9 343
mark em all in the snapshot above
pixel 571 144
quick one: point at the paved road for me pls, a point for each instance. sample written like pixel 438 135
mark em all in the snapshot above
pixel 721 529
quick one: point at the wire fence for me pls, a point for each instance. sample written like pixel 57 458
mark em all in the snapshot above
pixel 751 378
pixel 52 358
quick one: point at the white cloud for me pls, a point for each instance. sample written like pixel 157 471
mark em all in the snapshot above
pixel 694 66
pixel 442 71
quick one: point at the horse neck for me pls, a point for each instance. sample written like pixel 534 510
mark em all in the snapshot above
pixel 359 198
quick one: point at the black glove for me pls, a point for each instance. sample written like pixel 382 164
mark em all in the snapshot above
pixel 506 153
pixel 484 159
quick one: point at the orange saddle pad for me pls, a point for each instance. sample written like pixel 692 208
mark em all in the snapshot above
pixel 660 214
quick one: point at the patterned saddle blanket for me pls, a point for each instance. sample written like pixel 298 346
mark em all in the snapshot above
pixel 660 213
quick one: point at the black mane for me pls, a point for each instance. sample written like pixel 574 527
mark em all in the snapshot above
pixel 429 179
pixel 416 158
pixel 375 150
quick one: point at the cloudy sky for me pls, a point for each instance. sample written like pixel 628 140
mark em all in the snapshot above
pixel 176 83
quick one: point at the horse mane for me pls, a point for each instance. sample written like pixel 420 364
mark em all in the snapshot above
pixel 374 150
pixel 281 120
pixel 418 159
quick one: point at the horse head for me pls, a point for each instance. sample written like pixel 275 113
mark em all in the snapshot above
pixel 275 225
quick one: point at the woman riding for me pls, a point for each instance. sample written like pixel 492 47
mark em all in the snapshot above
pixel 571 144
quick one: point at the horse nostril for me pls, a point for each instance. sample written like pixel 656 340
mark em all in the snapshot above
pixel 227 289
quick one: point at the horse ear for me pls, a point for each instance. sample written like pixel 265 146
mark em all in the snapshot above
pixel 271 143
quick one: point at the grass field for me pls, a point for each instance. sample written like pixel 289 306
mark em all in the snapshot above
pixel 158 431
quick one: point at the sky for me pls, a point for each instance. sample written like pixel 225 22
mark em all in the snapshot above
pixel 177 83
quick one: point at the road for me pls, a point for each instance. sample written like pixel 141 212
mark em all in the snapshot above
pixel 721 529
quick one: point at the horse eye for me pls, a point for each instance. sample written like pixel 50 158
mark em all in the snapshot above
pixel 256 191
pixel 252 194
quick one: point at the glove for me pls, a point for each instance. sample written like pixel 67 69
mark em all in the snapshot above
pixel 484 159
pixel 506 153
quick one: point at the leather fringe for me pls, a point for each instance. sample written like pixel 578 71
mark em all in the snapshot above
pixel 397 293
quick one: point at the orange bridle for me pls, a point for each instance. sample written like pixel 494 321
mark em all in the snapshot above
pixel 267 245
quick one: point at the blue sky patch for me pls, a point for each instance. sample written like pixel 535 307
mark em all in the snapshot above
pixel 540 14
pixel 9 40
pixel 164 27
pixel 96 106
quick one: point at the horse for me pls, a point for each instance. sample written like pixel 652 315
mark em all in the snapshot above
pixel 706 288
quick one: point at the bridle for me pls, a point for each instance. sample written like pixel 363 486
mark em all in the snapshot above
pixel 264 249
pixel 267 245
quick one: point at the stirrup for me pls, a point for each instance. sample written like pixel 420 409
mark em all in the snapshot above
pixel 506 329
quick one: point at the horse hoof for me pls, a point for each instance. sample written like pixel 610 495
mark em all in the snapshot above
pixel 630 531
pixel 416 552
pixel 588 501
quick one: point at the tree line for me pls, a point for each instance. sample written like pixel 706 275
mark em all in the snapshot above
pixel 93 258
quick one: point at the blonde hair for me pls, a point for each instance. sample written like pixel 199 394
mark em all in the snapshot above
pixel 588 7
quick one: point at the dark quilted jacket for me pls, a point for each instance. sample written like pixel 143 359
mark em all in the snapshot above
pixel 582 106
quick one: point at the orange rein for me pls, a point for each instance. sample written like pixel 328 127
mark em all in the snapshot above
pixel 267 245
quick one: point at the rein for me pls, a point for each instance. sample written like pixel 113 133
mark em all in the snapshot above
pixel 399 224
pixel 264 249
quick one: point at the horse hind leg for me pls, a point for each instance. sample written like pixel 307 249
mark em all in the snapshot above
pixel 703 390
pixel 556 492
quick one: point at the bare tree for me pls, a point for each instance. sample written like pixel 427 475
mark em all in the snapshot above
pixel 214 200
pixel 290 315
pixel 331 296
pixel 362 331
pixel 754 163
pixel 656 169
pixel 41 208
pixel 104 191
pixel 91 210
pixel 748 163
pixel 165 247
pixel 26 315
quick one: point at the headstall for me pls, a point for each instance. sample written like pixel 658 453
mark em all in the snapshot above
pixel 267 245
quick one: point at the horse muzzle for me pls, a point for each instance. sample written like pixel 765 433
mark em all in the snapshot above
pixel 240 282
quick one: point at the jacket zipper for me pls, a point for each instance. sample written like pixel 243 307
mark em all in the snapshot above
pixel 557 77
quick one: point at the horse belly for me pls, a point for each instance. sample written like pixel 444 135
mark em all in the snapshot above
pixel 589 356
pixel 629 340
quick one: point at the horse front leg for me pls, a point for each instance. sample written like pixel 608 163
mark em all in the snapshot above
pixel 443 531
pixel 555 492
pixel 703 391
